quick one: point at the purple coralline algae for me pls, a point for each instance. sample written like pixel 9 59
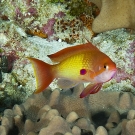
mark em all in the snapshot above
pixel 121 73
pixel 48 28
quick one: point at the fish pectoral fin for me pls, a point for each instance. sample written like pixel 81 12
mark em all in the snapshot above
pixel 66 83
pixel 91 89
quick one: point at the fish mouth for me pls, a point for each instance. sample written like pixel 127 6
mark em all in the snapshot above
pixel 105 76
pixel 113 72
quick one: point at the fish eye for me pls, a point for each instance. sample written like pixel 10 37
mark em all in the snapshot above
pixel 105 66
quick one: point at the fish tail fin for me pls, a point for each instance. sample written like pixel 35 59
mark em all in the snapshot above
pixel 43 73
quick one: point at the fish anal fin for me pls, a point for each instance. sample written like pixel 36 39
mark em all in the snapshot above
pixel 43 74
pixel 91 89
pixel 66 83
pixel 67 52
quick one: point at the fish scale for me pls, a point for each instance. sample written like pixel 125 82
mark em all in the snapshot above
pixel 71 65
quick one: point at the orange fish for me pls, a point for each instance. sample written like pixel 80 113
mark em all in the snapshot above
pixel 82 63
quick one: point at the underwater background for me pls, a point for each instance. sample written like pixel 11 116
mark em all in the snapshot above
pixel 37 28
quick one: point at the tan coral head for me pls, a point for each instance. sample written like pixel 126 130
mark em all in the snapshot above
pixel 114 14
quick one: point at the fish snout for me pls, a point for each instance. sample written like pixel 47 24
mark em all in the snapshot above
pixel 105 76
pixel 113 73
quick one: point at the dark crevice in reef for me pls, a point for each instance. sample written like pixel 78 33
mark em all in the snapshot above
pixel 84 132
pixel 100 119
pixel 123 116
pixel 13 131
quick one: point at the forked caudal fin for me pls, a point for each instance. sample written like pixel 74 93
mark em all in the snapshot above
pixel 43 74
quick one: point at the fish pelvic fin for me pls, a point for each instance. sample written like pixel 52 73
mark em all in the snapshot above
pixel 91 89
pixel 43 73
pixel 66 83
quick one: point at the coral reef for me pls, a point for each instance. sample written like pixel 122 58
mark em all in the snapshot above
pixel 122 53
pixel 11 51
pixel 18 85
pixel 19 18
pixel 62 112
pixel 80 7
pixel 22 23
pixel 6 64
pixel 38 18
pixel 64 26
pixel 113 15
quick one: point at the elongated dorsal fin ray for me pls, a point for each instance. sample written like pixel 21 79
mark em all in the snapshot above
pixel 67 52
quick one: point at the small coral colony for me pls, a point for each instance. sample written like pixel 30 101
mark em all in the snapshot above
pixel 85 59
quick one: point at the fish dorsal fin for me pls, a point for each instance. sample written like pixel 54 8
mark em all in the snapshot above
pixel 67 52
